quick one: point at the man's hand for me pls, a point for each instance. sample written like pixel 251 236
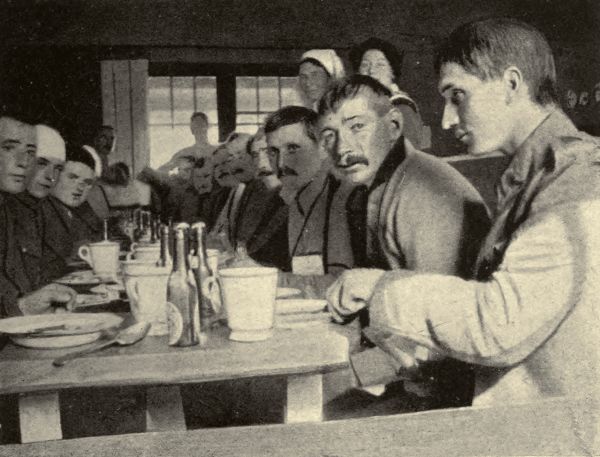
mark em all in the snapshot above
pixel 351 292
pixel 44 300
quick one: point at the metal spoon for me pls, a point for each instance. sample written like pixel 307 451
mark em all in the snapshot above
pixel 125 337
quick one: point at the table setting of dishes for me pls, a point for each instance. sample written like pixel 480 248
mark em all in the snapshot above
pixel 170 285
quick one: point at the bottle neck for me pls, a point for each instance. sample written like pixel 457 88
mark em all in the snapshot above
pixel 180 260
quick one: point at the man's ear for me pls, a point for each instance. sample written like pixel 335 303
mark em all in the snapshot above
pixel 396 123
pixel 513 83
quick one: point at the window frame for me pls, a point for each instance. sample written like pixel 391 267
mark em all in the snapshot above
pixel 225 75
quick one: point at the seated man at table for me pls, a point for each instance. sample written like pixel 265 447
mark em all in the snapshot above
pixel 318 237
pixel 261 221
pixel 191 203
pixel 527 318
pixel 410 210
pixel 19 292
pixel 69 221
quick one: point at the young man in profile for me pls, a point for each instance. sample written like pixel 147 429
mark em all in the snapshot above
pixel 527 318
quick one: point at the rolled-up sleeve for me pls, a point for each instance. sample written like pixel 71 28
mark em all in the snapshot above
pixel 501 321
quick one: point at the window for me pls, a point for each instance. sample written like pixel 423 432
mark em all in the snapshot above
pixel 171 102
pixel 233 97
pixel 258 96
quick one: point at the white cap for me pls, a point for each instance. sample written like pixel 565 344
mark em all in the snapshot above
pixel 50 144
pixel 329 59
pixel 97 161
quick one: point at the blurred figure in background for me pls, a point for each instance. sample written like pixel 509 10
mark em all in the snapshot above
pixel 192 203
pixel 201 147
pixel 383 62
pixel 319 69
pixel 104 144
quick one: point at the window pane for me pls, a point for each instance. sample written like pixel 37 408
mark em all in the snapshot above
pixel 251 129
pixel 289 94
pixel 183 99
pixel 159 100
pixel 241 119
pixel 165 141
pixel 213 134
pixel 268 93
pixel 245 93
pixel 206 97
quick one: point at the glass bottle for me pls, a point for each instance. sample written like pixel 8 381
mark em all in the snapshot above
pixel 203 280
pixel 182 296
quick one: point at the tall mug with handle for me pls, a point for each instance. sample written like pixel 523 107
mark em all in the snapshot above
pixel 146 286
pixel 103 257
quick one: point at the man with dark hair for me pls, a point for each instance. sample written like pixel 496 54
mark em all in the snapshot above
pixel 318 239
pixel 69 220
pixel 527 319
pixel 411 210
pixel 261 220
pixel 19 270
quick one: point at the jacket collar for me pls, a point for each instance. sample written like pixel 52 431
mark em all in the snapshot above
pixel 309 193
pixel 393 160
pixel 535 154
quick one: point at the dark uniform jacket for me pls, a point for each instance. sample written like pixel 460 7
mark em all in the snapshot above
pixel 20 249
pixel 261 223
pixel 65 230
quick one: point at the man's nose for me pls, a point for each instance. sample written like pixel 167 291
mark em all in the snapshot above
pixel 450 117
pixel 50 174
pixel 344 144
pixel 263 162
pixel 24 159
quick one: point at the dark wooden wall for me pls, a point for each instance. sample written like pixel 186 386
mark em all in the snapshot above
pixel 50 50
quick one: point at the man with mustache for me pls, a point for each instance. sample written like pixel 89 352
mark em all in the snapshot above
pixel 69 220
pixel 527 318
pixel 261 220
pixel 411 210
pixel 19 256
pixel 318 238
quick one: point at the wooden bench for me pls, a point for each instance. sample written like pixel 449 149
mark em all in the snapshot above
pixel 551 427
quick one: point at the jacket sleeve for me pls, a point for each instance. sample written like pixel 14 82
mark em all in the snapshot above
pixel 501 321
pixel 440 231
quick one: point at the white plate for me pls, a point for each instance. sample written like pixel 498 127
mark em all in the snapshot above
pixel 297 305
pixel 287 292
pixel 93 299
pixel 81 328
pixel 78 278
pixel 108 289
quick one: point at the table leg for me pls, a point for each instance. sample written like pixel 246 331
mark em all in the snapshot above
pixel 39 417
pixel 164 409
pixel 304 398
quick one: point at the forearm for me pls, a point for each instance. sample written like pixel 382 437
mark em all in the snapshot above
pixel 498 322
pixel 313 286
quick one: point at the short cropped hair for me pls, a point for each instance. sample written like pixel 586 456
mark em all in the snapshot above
pixel 347 89
pixel 201 115
pixel 290 115
pixel 486 48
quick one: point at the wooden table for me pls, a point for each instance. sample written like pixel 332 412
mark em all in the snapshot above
pixel 552 427
pixel 302 355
